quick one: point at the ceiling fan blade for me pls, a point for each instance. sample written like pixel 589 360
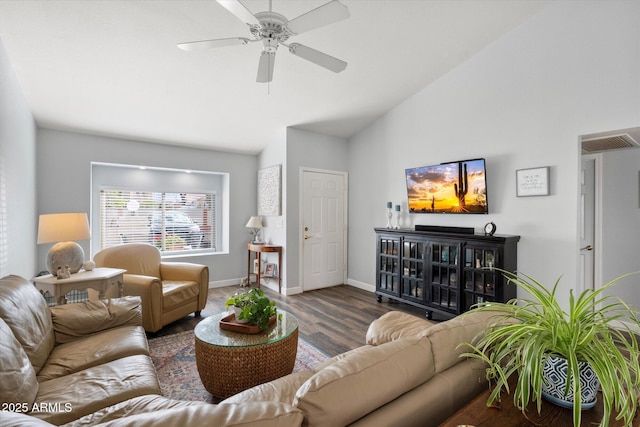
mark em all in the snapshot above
pixel 208 44
pixel 265 67
pixel 328 13
pixel 241 12
pixel 322 59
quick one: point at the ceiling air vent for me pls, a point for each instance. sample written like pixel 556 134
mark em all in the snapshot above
pixel 609 142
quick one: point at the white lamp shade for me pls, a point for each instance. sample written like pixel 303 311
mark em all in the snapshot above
pixel 63 227
pixel 254 222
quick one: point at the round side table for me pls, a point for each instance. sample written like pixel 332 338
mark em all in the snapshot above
pixel 230 362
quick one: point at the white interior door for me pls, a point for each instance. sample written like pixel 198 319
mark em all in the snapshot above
pixel 323 230
pixel 587 223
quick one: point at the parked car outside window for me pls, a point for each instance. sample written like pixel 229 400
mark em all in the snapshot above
pixel 176 224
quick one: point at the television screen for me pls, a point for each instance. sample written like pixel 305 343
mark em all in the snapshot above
pixel 457 187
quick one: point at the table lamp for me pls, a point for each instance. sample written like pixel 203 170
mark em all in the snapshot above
pixel 64 229
pixel 256 224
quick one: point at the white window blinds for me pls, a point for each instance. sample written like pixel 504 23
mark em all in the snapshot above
pixel 173 222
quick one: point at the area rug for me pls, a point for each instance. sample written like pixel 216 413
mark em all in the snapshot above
pixel 174 358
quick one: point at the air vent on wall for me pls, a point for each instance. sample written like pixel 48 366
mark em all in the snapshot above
pixel 609 142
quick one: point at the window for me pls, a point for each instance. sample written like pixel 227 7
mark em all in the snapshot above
pixel 170 221
pixel 183 213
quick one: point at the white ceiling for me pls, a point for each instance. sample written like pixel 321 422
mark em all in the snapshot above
pixel 112 67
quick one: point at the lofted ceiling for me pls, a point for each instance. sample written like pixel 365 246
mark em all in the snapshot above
pixel 112 67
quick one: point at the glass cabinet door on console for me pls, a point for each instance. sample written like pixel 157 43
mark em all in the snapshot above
pixel 388 277
pixel 413 262
pixel 481 282
pixel 444 273
pixel 443 283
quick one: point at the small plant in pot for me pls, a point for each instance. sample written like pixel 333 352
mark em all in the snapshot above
pixel 597 332
pixel 252 307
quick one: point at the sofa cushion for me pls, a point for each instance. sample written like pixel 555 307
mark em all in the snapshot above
pixel 18 384
pixel 448 338
pixel 353 386
pixel 432 402
pixel 26 313
pixel 396 324
pixel 75 395
pixel 177 292
pixel 104 347
pixel 71 321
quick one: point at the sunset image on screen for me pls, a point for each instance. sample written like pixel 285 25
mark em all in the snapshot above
pixel 448 188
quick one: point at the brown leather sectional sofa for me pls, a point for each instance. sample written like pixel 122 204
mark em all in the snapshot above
pixel 88 364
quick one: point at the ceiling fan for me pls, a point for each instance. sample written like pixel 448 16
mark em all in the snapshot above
pixel 273 29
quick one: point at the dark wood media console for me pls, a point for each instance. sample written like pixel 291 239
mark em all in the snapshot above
pixel 443 272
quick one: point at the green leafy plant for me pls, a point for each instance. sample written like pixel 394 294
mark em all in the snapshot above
pixel 596 328
pixel 256 307
pixel 171 241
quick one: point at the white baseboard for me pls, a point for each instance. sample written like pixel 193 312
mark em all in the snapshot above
pixel 288 291
pixel 361 285
pixel 224 283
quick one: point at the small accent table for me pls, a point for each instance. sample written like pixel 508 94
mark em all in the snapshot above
pixel 99 279
pixel 259 248
pixel 230 362
pixel 505 414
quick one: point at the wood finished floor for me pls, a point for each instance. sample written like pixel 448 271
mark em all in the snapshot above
pixel 333 319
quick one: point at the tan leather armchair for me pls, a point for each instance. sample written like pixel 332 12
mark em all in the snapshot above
pixel 169 290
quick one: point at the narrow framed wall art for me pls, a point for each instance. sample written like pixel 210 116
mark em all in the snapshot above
pixel 269 191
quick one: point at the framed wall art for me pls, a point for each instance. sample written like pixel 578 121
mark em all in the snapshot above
pixel 532 182
pixel 270 270
pixel 269 191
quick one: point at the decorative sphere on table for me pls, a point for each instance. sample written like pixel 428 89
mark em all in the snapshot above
pixel 89 265
pixel 65 253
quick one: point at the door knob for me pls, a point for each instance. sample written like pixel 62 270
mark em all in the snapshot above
pixel 587 248
pixel 306 237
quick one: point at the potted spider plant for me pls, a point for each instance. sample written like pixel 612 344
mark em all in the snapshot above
pixel 597 332
pixel 252 307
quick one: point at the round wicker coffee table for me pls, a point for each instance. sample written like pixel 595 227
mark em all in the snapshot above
pixel 230 362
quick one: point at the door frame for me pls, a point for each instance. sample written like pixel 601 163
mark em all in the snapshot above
pixel 345 179
pixel 597 219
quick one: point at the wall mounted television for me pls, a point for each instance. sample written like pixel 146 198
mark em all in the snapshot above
pixel 457 187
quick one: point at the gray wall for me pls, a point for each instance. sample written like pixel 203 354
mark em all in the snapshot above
pixel 18 218
pixel 520 103
pixel 621 221
pixel 275 231
pixel 64 168
pixel 301 149
pixel 310 150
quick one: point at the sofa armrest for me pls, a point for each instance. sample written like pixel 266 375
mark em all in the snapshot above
pixel 17 419
pixel 148 288
pixel 180 271
pixel 72 321
pixel 157 410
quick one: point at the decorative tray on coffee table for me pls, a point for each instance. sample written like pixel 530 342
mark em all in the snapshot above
pixel 231 324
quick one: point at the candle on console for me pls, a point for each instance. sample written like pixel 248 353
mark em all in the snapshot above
pixel 397 208
pixel 389 205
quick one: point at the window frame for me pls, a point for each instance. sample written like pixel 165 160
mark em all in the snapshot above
pixel 120 177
